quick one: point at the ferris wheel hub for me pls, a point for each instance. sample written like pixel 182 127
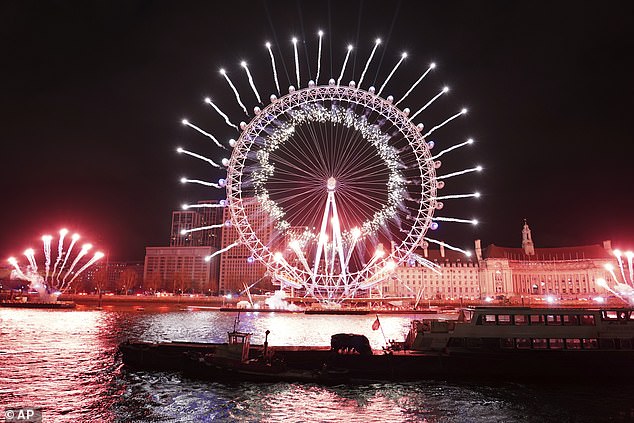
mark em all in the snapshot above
pixel 331 183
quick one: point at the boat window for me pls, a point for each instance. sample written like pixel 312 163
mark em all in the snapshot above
pixel 573 344
pixel 504 319
pixel 609 315
pixel 489 319
pixel 521 319
pixel 540 343
pixel 507 343
pixel 537 319
pixel 553 319
pixel 588 320
pixel 590 343
pixel 606 344
pixel 624 344
pixel 523 343
pixel 556 343
pixel 571 319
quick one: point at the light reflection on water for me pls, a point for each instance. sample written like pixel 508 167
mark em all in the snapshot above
pixel 65 362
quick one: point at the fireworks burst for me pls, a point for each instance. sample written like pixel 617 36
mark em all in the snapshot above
pixel 624 285
pixel 50 285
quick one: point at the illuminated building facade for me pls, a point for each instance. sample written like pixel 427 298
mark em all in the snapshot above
pixel 180 269
pixel 516 273
pixel 237 267
pixel 196 218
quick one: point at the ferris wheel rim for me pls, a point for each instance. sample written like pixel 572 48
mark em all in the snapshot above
pixel 314 94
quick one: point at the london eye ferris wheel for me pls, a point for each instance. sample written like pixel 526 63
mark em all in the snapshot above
pixel 332 185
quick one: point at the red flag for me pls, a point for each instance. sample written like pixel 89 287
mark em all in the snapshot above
pixel 376 325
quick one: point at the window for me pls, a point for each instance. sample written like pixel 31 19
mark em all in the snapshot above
pixel 556 343
pixel 571 320
pixel 489 319
pixel 589 343
pixel 540 343
pixel 573 344
pixel 521 319
pixel 507 343
pixel 504 319
pixel 553 319
pixel 536 319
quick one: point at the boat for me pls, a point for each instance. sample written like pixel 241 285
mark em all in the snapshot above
pixel 501 343
pixel 41 305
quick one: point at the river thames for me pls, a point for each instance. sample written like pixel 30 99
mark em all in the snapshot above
pixel 66 364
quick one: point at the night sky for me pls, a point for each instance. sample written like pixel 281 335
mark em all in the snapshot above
pixel 92 94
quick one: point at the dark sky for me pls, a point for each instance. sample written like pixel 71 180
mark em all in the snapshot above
pixel 91 95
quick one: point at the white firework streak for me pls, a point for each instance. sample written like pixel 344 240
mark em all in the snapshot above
pixel 205 133
pixel 74 239
pixel 460 113
pixel 222 250
pixel 235 91
pixel 403 56
pixel 220 112
pixel 81 254
pixel 321 35
pixel 18 271
pixel 90 262
pixel 202 228
pixel 201 206
pixel 460 172
pixel 296 61
pixel 199 182
pixel 277 84
pixel 418 81
pixel 367 64
pixel 630 267
pixel 427 263
pixel 451 247
pixel 453 196
pixel 46 241
pixel 345 62
pixel 434 98
pixel 60 250
pixel 455 219
pixel 198 156
pixel 29 254
pixel 447 150
pixel 620 261
pixel 255 90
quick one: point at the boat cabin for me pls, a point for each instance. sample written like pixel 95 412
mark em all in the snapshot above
pixel 523 328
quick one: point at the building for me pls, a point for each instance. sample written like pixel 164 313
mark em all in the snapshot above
pixel 507 272
pixel 237 266
pixel 192 220
pixel 452 275
pixel 181 269
pixel 566 272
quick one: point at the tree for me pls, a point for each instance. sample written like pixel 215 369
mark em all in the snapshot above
pixel 127 280
pixel 152 281
pixel 100 278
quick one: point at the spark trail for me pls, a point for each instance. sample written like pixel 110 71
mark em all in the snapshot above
pixel 235 91
pixel 321 36
pixel 46 241
pixel 403 56
pixel 60 249
pixel 198 156
pixel 367 64
pixel 73 240
pixel 205 133
pixel 460 113
pixel 461 172
pixel 418 81
pixel 98 255
pixel 345 62
pixel 222 250
pixel 277 84
pixel 199 182
pixel 451 247
pixel 434 98
pixel 447 150
pixel 296 61
pixel 220 112
pixel 255 90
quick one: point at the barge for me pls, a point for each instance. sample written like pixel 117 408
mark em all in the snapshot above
pixel 508 343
